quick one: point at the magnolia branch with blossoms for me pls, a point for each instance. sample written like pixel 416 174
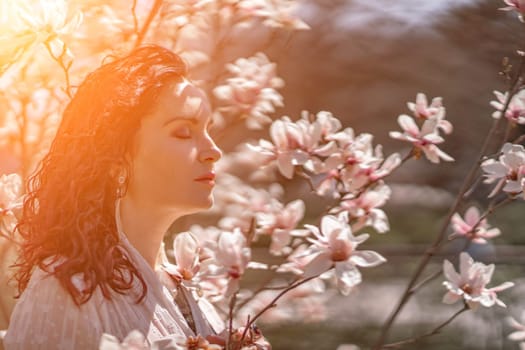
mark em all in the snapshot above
pixel 305 256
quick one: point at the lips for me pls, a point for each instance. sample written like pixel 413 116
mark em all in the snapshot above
pixel 206 177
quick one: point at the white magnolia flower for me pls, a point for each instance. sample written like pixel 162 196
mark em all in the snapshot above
pixel 515 112
pixel 186 250
pixel 286 146
pixel 281 225
pixel 472 228
pixel 251 92
pixel 27 23
pixel 470 283
pixel 365 208
pixel 424 139
pixel 274 13
pixel 231 259
pixel 435 111
pixel 334 246
pixel 508 171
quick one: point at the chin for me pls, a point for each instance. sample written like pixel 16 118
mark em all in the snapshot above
pixel 203 205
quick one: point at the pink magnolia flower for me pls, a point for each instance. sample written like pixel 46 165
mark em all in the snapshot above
pixel 278 14
pixel 286 148
pixel 515 112
pixel 252 90
pixel 355 164
pixel 365 208
pixel 281 225
pixel 425 139
pixel 357 176
pixel 186 251
pixel 470 284
pixel 508 171
pixel 300 143
pixel 422 109
pixel 314 134
pixel 472 228
pixel 334 246
pixel 434 111
pixel 232 258
pixel 25 24
pixel 197 343
pixel 515 5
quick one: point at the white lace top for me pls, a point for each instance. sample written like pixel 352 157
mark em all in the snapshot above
pixel 46 317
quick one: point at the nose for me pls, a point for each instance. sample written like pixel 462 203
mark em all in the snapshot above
pixel 211 152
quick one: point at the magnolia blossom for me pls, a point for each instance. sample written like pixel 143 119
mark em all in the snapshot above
pixel 435 111
pixel 305 143
pixel 519 333
pixel 274 13
pixel 515 5
pixel 240 203
pixel 356 176
pixel 186 252
pixel 286 147
pixel 314 136
pixel 365 208
pixel 281 225
pixel 353 164
pixel 252 90
pixel 508 171
pixel 470 284
pixel 424 139
pixel 10 201
pixel 231 259
pixel 515 111
pixel 334 246
pixel 27 23
pixel 472 227
pixel 423 110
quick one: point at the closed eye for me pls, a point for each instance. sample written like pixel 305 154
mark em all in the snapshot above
pixel 181 132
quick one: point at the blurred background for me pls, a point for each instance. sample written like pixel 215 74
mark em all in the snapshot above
pixel 363 60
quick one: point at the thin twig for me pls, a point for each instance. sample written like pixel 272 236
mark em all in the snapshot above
pixel 135 20
pixel 430 278
pixel 263 287
pixel 60 60
pixel 272 304
pixel 426 335
pixel 140 35
pixel 230 315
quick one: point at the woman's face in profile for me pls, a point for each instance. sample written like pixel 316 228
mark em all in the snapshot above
pixel 173 155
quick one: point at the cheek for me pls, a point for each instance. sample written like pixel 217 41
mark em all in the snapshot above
pixel 163 164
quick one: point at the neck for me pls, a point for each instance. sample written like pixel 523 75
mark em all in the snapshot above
pixel 144 226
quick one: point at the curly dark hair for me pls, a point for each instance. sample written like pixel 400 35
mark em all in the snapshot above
pixel 68 216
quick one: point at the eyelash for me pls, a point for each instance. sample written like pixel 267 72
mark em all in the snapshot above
pixel 183 132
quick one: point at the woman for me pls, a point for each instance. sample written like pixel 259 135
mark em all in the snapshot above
pixel 132 154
